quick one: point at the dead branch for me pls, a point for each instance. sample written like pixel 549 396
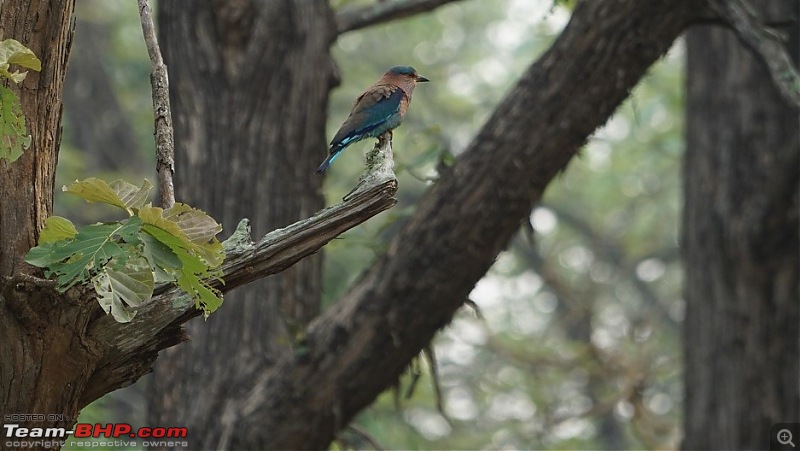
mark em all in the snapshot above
pixel 157 325
pixel 165 142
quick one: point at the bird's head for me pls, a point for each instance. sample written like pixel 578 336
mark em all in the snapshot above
pixel 407 73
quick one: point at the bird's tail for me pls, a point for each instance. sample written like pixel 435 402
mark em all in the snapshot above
pixel 334 152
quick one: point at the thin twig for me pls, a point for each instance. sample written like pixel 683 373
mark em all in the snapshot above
pixel 766 43
pixel 350 19
pixel 430 356
pixel 165 142
pixel 416 372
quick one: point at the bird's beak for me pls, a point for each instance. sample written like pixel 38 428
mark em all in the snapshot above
pixel 421 79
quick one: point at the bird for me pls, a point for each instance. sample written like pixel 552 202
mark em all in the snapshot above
pixel 379 109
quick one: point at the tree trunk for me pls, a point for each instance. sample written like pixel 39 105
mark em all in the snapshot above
pixel 250 83
pixel 40 94
pixel 740 241
pixel 42 369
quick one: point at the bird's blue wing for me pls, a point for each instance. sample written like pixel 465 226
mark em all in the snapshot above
pixel 372 110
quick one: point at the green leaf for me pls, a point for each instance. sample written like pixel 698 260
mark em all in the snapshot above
pixel 122 288
pixel 132 196
pixel 88 252
pixel 13 52
pixel 57 228
pixel 119 193
pixel 155 216
pixel 193 273
pixel 201 229
pixel 14 137
pixel 194 228
pixel 160 257
pixel 196 224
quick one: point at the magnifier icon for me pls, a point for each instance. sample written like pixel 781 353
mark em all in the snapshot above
pixel 785 437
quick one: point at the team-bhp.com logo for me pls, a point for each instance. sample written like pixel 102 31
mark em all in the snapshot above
pixel 15 432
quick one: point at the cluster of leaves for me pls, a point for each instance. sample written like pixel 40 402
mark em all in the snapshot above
pixel 125 260
pixel 14 138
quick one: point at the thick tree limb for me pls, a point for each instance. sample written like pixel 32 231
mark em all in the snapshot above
pixel 165 142
pixel 350 19
pixel 765 43
pixel 361 345
pixel 156 326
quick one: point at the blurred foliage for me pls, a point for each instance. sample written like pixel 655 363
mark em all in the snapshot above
pixel 575 343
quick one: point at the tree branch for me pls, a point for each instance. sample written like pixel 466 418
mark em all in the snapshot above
pixel 767 44
pixel 157 324
pixel 354 18
pixel 363 343
pixel 165 142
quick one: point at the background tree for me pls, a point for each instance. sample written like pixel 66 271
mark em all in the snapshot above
pixel 740 242
pixel 270 67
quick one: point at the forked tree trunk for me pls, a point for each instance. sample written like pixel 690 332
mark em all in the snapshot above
pixel 250 83
pixel 740 241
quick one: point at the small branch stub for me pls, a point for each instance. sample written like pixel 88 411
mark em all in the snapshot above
pixel 379 166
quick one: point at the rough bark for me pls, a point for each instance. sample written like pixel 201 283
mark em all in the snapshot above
pixel 740 240
pixel 24 207
pixel 42 369
pixel 247 147
pixel 360 346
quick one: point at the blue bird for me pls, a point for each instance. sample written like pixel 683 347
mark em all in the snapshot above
pixel 379 109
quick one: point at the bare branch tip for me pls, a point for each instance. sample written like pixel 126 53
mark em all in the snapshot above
pixel 164 134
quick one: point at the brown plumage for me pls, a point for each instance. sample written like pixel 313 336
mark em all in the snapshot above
pixel 379 109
